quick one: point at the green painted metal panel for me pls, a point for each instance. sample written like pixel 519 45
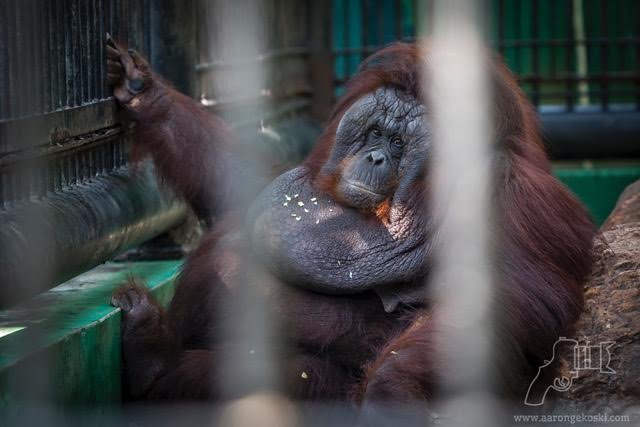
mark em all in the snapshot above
pixel 599 184
pixel 62 347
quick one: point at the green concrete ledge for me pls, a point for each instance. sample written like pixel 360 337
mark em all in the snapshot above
pixel 62 348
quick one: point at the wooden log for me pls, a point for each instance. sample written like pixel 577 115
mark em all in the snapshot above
pixel 612 314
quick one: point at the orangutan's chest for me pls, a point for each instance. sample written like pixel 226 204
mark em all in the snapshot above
pixel 349 326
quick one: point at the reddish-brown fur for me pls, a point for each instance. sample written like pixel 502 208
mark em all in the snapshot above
pixel 349 345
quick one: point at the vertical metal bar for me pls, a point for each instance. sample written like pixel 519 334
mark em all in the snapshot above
pixel 20 62
pixel 148 28
pixel 102 157
pixel 321 64
pixel 70 164
pixel 4 65
pixel 42 179
pixel 109 156
pixel 97 160
pixel 61 171
pixel 518 35
pixel 122 152
pixel 65 178
pixel 52 74
pixel 23 174
pixel 569 51
pixel 416 16
pixel 17 186
pixel 110 10
pixel 105 158
pixel 460 180
pixel 91 164
pixel 84 165
pixel 81 52
pixel 89 37
pixel 37 54
pixel 554 19
pixel 61 44
pixel 30 181
pixel 32 191
pixel 3 197
pixel 535 18
pixel 27 75
pixel 73 80
pixel 65 171
pixel 13 95
pixel 33 82
pixel 380 23
pixel 365 27
pixel 45 55
pixel 67 24
pixel 113 25
pixel 501 24
pixel 581 51
pixel 9 187
pixel 398 18
pixel 101 15
pixel 116 151
pixel 604 55
pixel 112 155
pixel 57 174
pixel 50 175
pixel 345 40
pixel 123 19
pixel 622 46
pixel 636 33
pixel 75 176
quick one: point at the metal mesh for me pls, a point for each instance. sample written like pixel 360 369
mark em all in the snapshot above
pixel 55 105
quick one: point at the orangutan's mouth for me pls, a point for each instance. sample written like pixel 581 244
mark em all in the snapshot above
pixel 366 189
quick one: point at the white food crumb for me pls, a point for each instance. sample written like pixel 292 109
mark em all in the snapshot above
pixel 300 204
pixel 295 196
pixel 394 352
pixel 339 263
pixel 306 210
pixel 285 204
pixel 304 375
pixel 317 221
pixel 298 218
pixel 350 275
pixel 330 210
pixel 313 199
pixel 287 197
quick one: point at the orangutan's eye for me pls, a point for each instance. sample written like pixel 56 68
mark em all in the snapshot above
pixel 397 141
